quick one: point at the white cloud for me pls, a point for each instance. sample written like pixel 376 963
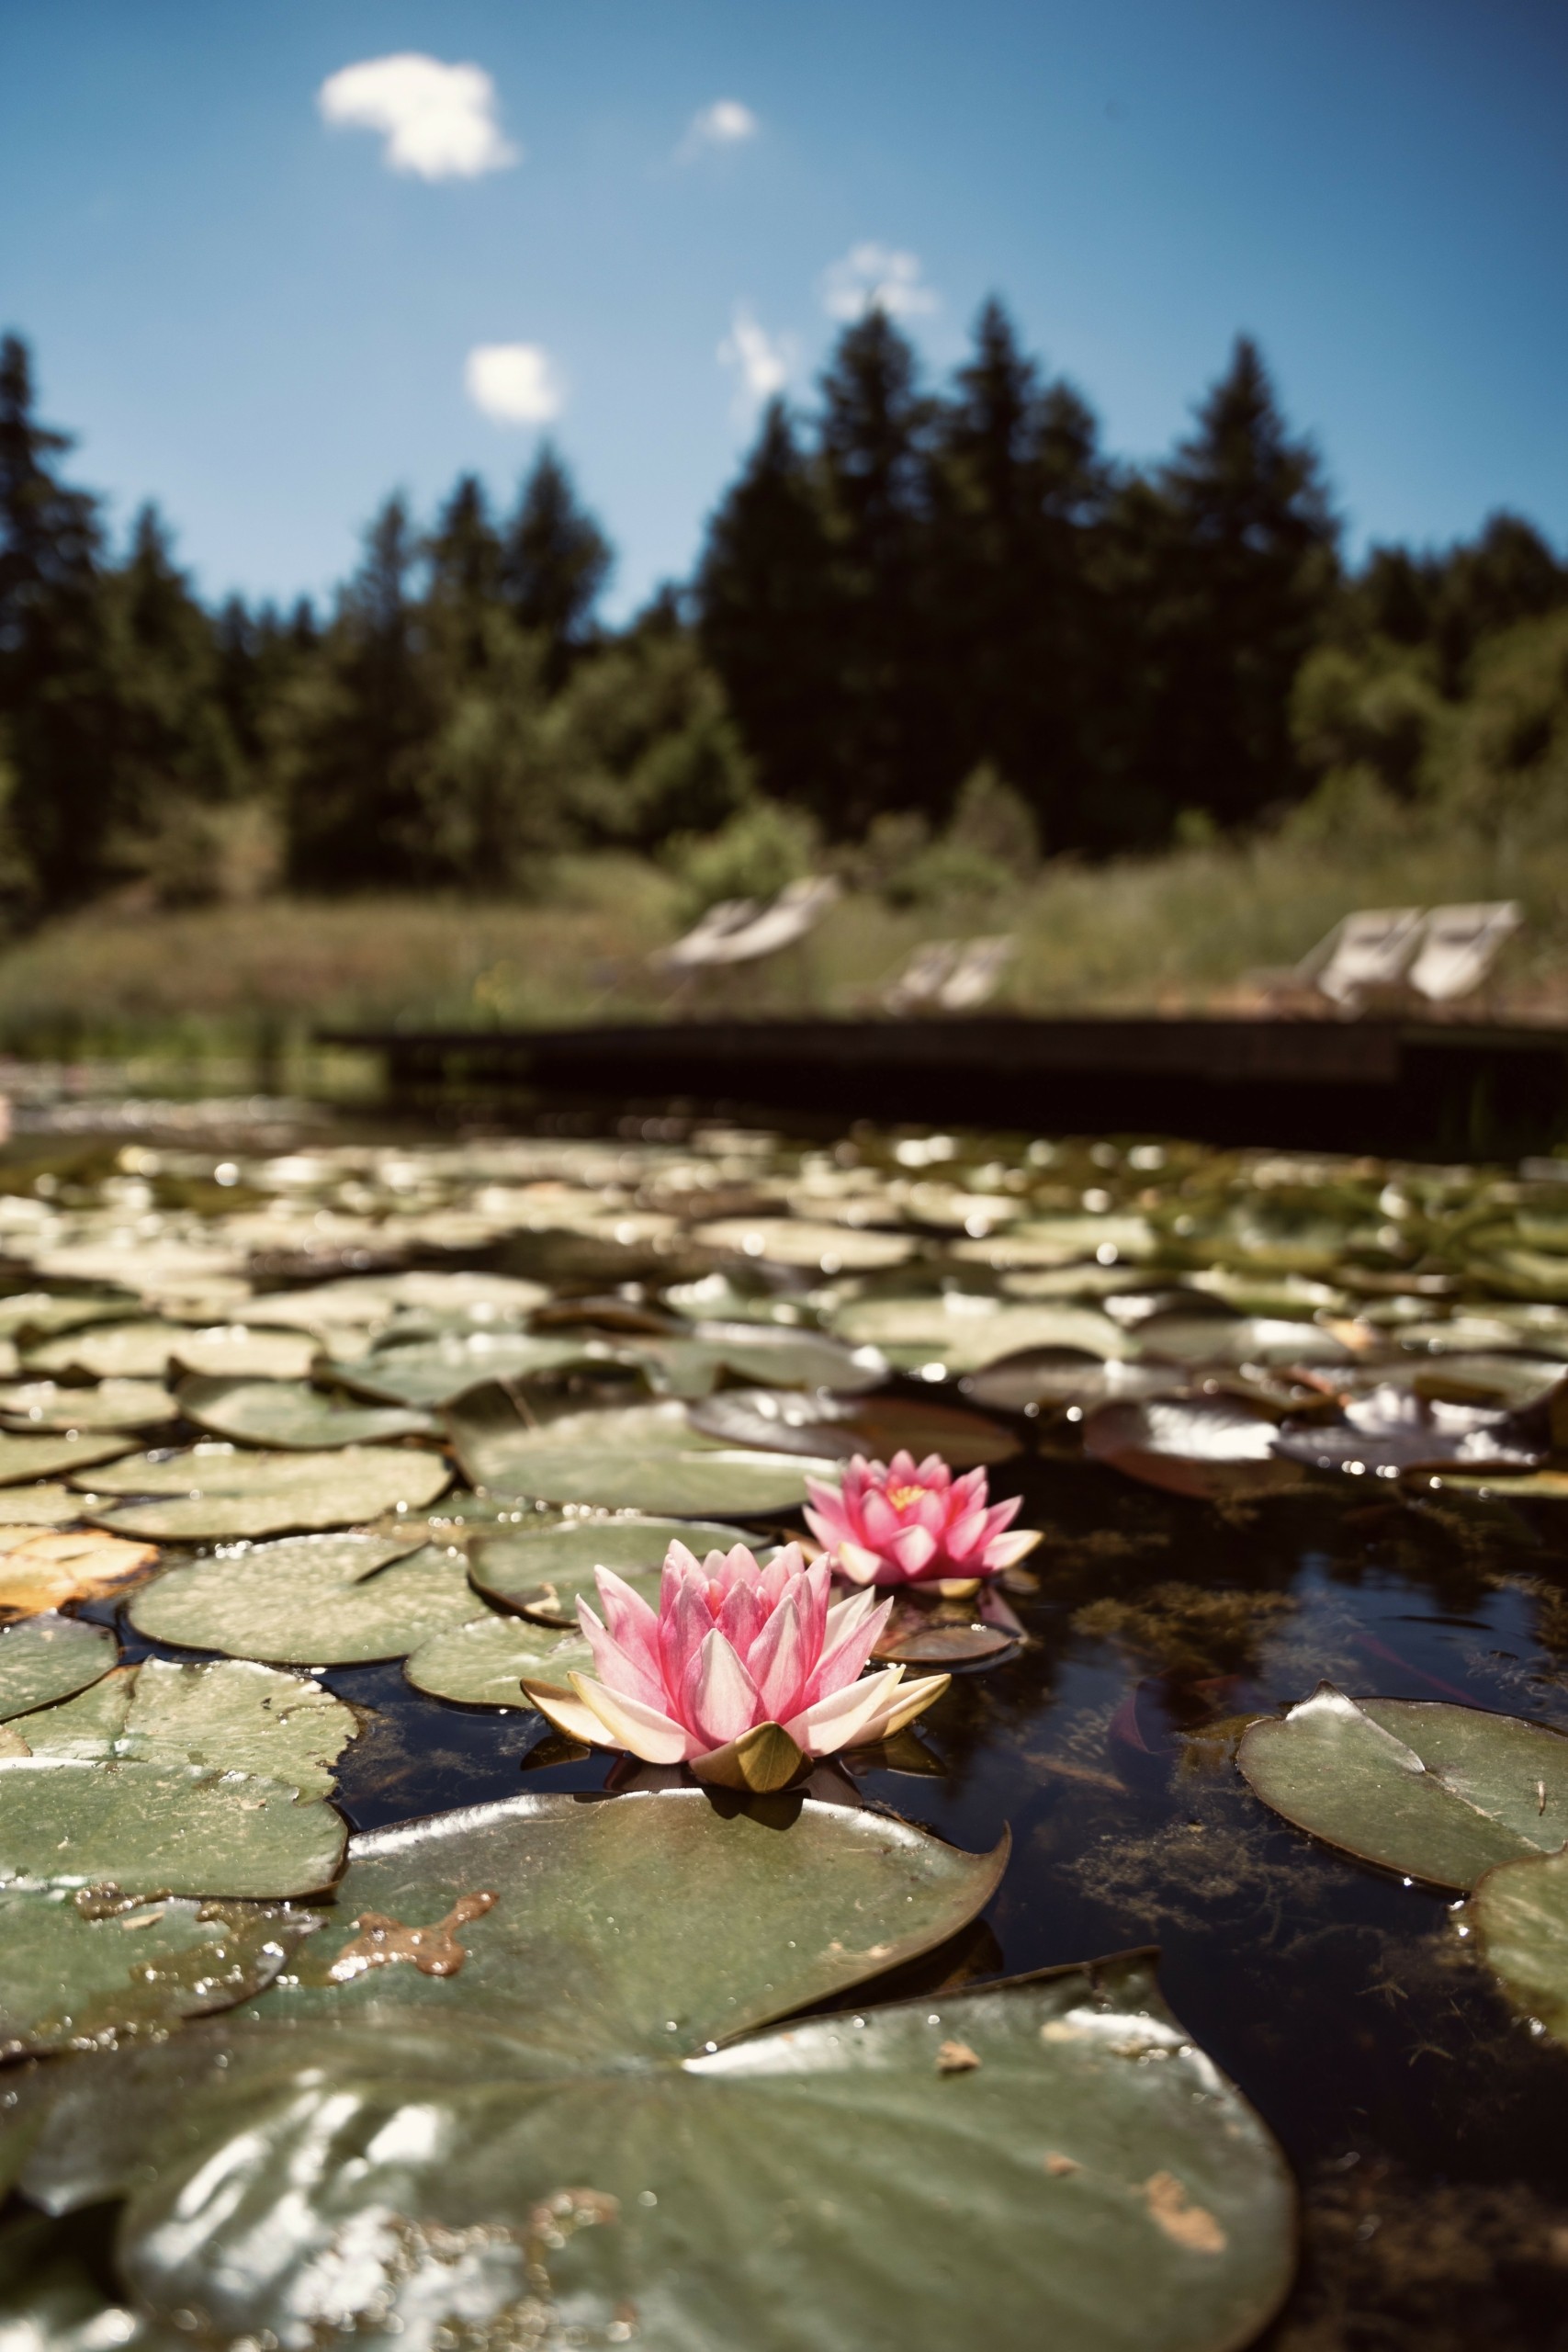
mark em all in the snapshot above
pixel 727 123
pixel 875 277
pixel 762 362
pixel 515 383
pixel 439 121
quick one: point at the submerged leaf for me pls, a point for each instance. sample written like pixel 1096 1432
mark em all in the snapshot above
pixel 1519 1911
pixel 1435 1792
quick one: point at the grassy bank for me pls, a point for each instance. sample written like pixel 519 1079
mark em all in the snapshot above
pixel 1166 934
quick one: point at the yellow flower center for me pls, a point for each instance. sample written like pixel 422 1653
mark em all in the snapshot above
pixel 902 1497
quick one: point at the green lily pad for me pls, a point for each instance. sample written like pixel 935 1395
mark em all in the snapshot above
pixel 145 1350
pixel 82 1973
pixel 772 1357
pixel 1203 1446
pixel 541 1571
pixel 242 1716
pixel 1520 1912
pixel 47 1504
pixel 436 1371
pixel 1058 1376
pixel 108 1405
pixel 47 1657
pixel 217 1492
pixel 292 1416
pixel 797 1242
pixel 159 1828
pixel 1435 1791
pixel 1240 1339
pixel 48 1457
pixel 482 1662
pixel 309 1600
pixel 637 1457
pixel 789 1420
pixel 556 2122
pixel 962 1332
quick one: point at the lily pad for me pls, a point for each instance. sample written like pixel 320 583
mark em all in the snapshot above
pixel 48 1457
pixel 1240 1339
pixel 82 1973
pixel 1057 1376
pixel 309 1600
pixel 160 1828
pixel 46 1658
pixel 772 1357
pixel 217 1492
pixel 41 1569
pixel 962 1332
pixel 241 1717
pixel 437 1372
pixel 1520 1912
pixel 789 1420
pixel 483 1663
pixel 289 1415
pixel 1203 1446
pixel 542 1571
pixel 108 1405
pixel 637 1457
pixel 1435 1791
pixel 797 1241
pixel 116 1350
pixel 1069 2186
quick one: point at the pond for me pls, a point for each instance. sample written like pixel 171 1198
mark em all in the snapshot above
pixel 308 1439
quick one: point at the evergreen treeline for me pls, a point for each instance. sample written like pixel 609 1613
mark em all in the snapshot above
pixel 930 626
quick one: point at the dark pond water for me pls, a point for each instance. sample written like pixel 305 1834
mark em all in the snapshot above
pixel 1427 2122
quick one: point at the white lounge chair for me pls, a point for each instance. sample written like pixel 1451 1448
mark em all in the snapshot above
pixel 696 949
pixel 737 932
pixel 920 983
pixel 1459 946
pixel 1369 949
pixel 976 974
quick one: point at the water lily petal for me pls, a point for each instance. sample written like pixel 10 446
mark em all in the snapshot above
pixel 905 1704
pixel 1004 1551
pixel 628 1670
pixel 642 1731
pixel 570 1715
pixel 839 1720
pixel 913 1548
pixel 854 1629
pixel 780 1663
pixel 719 1700
pixel 860 1565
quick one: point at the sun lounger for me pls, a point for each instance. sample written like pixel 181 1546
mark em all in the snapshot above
pixel 976 974
pixel 1369 949
pixel 736 931
pixel 696 949
pixel 1459 946
pixel 919 984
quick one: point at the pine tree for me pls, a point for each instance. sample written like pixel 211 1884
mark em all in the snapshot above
pixel 555 563
pixel 764 619
pixel 365 718
pixel 1018 491
pixel 1229 568
pixel 57 684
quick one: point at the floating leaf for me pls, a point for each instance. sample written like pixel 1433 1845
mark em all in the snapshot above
pixel 218 1492
pixel 239 1716
pixel 48 1504
pixel 45 1659
pixel 1241 1339
pixel 310 1600
pixel 790 1420
pixel 541 1571
pixel 80 1972
pixel 43 1568
pixel 1435 1792
pixel 750 1351
pixel 795 1242
pixel 286 1413
pixel 641 1457
pixel 160 1828
pixel 118 1351
pixel 437 1372
pixel 962 1332
pixel 108 1405
pixel 1499 1483
pixel 46 1457
pixel 560 2090
pixel 483 1663
pixel 1062 1240
pixel 1054 1376
pixel 1204 1446
pixel 1519 1911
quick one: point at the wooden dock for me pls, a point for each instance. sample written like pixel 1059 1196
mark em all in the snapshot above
pixel 1429 1089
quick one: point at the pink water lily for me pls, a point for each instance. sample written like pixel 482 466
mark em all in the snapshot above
pixel 908 1523
pixel 743 1672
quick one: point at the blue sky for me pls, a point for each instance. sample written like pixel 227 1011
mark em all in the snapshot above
pixel 245 312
